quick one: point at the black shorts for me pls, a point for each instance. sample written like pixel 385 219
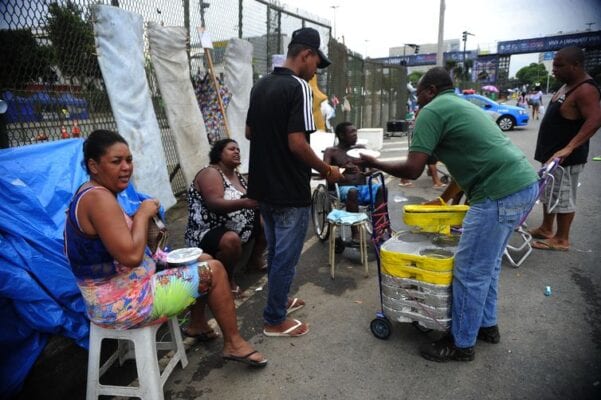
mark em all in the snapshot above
pixel 210 241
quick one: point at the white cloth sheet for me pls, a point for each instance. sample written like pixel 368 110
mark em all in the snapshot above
pixel 119 45
pixel 170 61
pixel 239 79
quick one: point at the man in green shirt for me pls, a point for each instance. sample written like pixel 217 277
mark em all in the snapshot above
pixel 501 186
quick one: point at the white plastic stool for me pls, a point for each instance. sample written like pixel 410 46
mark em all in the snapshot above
pixel 144 351
pixel 362 226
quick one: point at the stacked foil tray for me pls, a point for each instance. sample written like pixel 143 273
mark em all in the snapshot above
pixel 409 294
pixel 409 300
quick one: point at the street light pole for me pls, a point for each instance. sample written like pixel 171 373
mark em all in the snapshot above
pixel 465 34
pixel 439 49
pixel 334 21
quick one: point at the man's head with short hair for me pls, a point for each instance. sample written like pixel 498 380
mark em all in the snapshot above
pixel 346 133
pixel 573 55
pixel 433 82
pixel 568 65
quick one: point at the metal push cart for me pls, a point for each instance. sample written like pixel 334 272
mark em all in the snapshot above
pixel 414 269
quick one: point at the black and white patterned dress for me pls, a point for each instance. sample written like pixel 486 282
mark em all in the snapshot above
pixel 201 220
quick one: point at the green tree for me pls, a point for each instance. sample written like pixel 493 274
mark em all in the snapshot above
pixel 414 77
pixel 460 73
pixel 532 74
pixel 23 59
pixel 72 39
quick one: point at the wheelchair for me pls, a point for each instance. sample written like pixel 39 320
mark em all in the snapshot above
pixel 322 202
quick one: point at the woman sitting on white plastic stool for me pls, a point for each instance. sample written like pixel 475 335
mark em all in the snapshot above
pixel 112 264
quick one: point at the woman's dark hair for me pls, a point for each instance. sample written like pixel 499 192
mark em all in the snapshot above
pixel 96 144
pixel 217 149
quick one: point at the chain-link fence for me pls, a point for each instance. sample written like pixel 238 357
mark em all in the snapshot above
pixel 50 78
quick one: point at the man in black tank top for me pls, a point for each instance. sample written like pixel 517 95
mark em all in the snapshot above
pixel 572 118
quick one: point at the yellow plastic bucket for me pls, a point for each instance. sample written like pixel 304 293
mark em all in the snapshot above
pixel 436 219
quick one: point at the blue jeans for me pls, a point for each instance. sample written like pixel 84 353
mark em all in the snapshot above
pixel 486 230
pixel 285 230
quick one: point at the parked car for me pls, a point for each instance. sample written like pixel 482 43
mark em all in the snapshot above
pixel 508 116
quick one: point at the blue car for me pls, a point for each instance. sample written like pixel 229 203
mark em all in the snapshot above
pixel 507 117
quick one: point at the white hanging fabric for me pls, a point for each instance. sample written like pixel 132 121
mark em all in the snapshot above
pixel 170 61
pixel 119 45
pixel 239 79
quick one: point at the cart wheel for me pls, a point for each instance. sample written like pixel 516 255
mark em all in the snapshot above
pixel 320 208
pixel 339 246
pixel 420 328
pixel 381 328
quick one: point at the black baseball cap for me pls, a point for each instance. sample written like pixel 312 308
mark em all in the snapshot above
pixel 310 37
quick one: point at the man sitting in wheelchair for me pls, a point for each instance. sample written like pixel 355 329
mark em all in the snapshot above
pixel 352 189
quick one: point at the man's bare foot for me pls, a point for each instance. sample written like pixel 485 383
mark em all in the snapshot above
pixel 551 244
pixel 540 233
pixel 289 328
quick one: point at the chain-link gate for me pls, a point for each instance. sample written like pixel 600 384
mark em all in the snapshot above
pixel 49 73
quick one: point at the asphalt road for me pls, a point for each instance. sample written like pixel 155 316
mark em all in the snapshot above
pixel 550 346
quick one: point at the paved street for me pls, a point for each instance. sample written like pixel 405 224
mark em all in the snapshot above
pixel 550 346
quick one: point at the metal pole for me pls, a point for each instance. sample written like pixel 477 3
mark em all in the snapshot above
pixel 267 47
pixel 439 50
pixel 279 32
pixel 187 27
pixel 240 14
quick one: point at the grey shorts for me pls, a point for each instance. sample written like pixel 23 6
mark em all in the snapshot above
pixel 565 188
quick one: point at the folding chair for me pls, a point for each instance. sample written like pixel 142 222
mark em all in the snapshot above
pixel 516 255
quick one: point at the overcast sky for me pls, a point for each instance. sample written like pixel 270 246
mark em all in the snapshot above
pixel 371 27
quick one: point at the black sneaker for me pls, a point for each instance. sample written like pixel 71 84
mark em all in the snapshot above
pixel 444 350
pixel 490 334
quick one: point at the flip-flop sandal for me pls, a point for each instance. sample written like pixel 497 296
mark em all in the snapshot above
pixel 202 336
pixel 287 332
pixel 537 235
pixel 295 305
pixel 246 360
pixel 238 293
pixel 545 245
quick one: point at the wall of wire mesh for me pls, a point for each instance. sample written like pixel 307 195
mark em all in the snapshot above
pixel 50 75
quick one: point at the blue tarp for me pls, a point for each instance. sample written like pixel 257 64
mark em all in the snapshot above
pixel 38 294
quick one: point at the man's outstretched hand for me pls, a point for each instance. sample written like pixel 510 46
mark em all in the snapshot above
pixel 333 175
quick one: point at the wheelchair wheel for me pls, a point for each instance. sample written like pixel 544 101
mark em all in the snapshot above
pixel 320 208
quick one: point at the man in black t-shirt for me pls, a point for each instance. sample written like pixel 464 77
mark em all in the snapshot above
pixel 572 118
pixel 278 125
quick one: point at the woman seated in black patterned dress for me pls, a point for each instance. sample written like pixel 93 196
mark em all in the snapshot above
pixel 221 218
